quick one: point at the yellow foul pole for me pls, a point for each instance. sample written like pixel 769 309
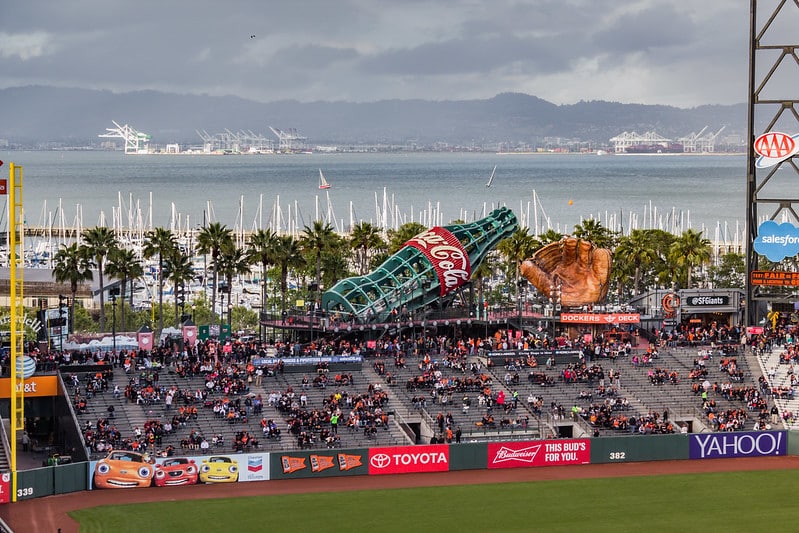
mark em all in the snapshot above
pixel 15 263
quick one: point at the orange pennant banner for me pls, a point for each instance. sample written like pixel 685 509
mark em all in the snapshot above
pixel 292 464
pixel 348 462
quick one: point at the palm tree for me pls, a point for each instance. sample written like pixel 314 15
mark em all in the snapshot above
pixel 161 242
pixel 178 269
pixel 365 237
pixel 593 231
pixel 637 250
pixel 288 256
pixel 100 240
pixel 482 272
pixel 261 249
pixel 232 261
pixel 397 238
pixel 336 261
pixel 211 239
pixel 125 266
pixel 690 250
pixel 516 249
pixel 549 236
pixel 316 239
pixel 71 264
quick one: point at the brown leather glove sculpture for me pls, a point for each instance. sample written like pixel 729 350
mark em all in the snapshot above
pixel 577 268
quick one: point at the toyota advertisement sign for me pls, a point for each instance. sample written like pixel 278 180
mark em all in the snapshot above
pixel 743 444
pixel 409 459
pixel 539 453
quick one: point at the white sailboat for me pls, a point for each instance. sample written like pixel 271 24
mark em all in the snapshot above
pixel 323 184
pixel 491 178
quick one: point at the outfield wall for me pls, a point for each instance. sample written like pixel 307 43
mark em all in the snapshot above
pixel 239 468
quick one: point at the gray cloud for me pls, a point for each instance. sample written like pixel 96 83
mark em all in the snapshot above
pixel 646 51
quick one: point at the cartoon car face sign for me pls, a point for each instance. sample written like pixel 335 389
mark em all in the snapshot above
pixel 176 471
pixel 122 469
pixel 218 469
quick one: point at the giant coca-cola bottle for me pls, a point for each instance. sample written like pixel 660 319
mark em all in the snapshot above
pixel 428 267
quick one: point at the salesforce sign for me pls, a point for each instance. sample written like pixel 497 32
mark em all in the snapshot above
pixel 742 444
pixel 777 241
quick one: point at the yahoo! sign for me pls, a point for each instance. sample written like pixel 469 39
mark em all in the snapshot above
pixel 728 444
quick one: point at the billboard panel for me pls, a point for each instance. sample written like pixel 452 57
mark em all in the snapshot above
pixel 319 463
pixel 409 459
pixel 743 444
pixel 539 453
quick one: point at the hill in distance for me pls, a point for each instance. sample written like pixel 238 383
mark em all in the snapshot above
pixel 35 114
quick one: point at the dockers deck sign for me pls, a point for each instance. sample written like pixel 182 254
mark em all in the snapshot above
pixel 601 318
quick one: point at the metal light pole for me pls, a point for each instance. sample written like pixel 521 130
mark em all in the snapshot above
pixel 114 323
pixel 262 313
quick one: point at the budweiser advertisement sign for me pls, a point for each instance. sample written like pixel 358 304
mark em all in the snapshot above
pixel 601 318
pixel 447 255
pixel 409 459
pixel 539 453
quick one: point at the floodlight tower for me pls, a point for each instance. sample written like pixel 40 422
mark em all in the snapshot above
pixel 773 111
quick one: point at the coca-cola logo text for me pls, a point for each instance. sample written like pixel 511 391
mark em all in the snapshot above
pixel 447 256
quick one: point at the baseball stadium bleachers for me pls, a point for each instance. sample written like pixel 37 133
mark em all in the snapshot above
pixel 404 398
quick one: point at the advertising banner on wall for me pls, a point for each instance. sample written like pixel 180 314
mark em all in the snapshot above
pixel 125 469
pixel 734 444
pixel 5 487
pixel 35 386
pixel 600 318
pixel 319 463
pixel 539 453
pixel 409 459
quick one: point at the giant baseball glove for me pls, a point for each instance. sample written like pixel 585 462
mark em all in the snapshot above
pixel 577 268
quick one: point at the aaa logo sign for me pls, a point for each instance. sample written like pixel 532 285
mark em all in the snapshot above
pixel 775 147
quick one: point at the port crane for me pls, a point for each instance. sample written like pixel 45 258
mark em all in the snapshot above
pixel 136 142
pixel 289 140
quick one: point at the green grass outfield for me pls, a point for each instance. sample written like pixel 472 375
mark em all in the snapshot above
pixel 729 501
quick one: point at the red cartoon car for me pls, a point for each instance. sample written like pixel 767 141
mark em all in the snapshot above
pixel 176 471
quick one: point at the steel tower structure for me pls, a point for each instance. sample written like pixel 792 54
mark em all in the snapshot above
pixel 771 192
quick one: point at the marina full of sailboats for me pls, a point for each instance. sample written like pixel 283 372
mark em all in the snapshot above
pixel 66 193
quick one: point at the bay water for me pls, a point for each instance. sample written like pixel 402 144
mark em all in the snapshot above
pixel 557 191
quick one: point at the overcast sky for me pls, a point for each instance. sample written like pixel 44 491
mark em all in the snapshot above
pixel 674 52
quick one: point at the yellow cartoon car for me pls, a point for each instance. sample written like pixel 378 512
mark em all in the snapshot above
pixel 122 469
pixel 218 469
